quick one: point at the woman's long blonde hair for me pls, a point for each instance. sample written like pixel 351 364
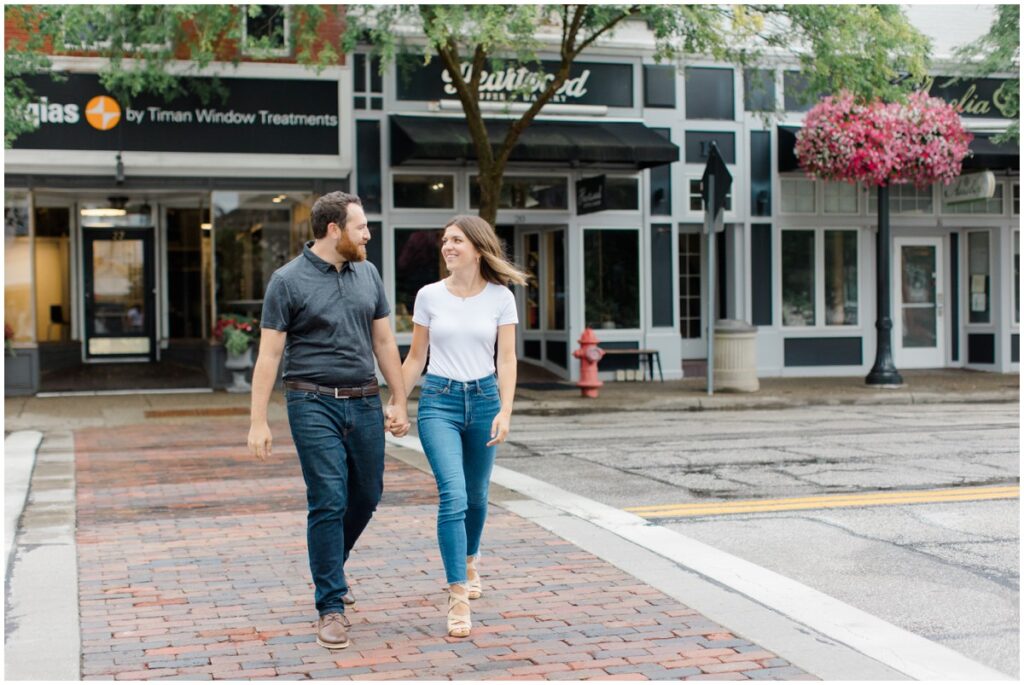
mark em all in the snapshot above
pixel 494 265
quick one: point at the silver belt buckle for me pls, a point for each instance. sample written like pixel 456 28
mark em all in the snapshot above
pixel 336 396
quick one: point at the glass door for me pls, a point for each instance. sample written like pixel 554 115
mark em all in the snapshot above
pixel 543 325
pixel 918 316
pixel 119 294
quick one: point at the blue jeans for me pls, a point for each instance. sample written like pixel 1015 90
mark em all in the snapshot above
pixel 454 422
pixel 341 448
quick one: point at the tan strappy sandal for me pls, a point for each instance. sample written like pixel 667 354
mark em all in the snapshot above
pixel 459 623
pixel 473 579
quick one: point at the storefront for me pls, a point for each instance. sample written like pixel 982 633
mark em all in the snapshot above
pixel 573 209
pixel 130 228
pixel 955 278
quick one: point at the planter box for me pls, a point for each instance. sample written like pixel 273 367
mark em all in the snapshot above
pixel 21 372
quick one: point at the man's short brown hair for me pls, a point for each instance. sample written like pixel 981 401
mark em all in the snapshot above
pixel 332 208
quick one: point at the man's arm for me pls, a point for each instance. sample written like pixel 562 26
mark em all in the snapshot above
pixel 263 378
pixel 386 351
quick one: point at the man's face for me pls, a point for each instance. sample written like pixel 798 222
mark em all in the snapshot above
pixel 354 235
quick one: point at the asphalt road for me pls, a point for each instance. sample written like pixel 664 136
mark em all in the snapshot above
pixel 936 554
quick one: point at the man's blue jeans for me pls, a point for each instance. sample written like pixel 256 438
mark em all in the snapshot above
pixel 454 422
pixel 341 448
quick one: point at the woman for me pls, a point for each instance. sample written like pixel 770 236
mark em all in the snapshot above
pixel 464 412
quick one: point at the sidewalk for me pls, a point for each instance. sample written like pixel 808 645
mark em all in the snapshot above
pixel 920 387
pixel 192 564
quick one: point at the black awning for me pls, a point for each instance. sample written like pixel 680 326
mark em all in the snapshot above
pixel 989 156
pixel 787 155
pixel 986 155
pixel 432 139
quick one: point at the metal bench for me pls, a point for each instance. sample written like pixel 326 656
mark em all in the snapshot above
pixel 652 357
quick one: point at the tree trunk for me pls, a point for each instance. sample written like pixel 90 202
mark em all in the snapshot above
pixel 491 182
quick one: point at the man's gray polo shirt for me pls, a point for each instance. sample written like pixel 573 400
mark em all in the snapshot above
pixel 328 316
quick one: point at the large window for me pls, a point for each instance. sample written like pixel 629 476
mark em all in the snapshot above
pixel 18 318
pixel 904 199
pixel 611 271
pixel 840 278
pixel 526 192
pixel 992 205
pixel 255 234
pixel 798 278
pixel 978 277
pixel 423 191
pixel 188 247
pixel 621 193
pixel 417 263
pixel 759 90
pixel 368 164
pixel 813 274
pixel 53 273
pixel 709 93
pixel 1016 277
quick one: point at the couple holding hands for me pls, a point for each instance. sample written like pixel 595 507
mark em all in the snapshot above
pixel 326 314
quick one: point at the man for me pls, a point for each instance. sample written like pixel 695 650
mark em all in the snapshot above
pixel 326 312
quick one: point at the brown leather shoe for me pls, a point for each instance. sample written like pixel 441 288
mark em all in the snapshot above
pixel 330 631
pixel 348 599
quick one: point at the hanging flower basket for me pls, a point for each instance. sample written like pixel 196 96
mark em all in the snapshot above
pixel 921 141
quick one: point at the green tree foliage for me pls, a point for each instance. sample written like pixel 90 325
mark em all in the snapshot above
pixel 144 47
pixel 998 52
pixel 865 49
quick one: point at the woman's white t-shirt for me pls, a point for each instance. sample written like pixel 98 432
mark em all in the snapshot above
pixel 463 331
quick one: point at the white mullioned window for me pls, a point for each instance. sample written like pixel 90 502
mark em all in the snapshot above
pixel 798 196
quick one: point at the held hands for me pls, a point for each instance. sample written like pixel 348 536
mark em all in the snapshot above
pixel 499 428
pixel 260 440
pixel 396 420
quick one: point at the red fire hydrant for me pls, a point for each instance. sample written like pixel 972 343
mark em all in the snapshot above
pixel 589 355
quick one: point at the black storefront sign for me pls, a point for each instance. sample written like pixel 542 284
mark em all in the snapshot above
pixel 976 97
pixel 589 83
pixel 590 195
pixel 275 116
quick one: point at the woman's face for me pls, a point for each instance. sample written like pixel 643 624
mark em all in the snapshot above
pixel 457 251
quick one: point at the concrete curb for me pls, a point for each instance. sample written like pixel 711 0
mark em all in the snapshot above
pixel 19 461
pixel 41 630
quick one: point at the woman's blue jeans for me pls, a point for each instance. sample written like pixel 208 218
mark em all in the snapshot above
pixel 341 448
pixel 454 422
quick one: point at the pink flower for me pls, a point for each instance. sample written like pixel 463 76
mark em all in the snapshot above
pixel 921 141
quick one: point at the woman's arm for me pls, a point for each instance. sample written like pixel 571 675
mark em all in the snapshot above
pixel 506 382
pixel 416 358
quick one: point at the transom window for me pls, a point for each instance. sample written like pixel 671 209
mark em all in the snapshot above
pixel 526 192
pixel 423 191
pixel 697 198
pixel 904 199
pixel 798 196
pixel 841 198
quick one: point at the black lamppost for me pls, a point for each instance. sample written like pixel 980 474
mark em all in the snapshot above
pixel 884 372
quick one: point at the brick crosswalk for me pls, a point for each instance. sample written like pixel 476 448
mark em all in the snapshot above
pixel 192 565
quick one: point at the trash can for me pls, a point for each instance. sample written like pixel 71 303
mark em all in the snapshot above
pixel 736 356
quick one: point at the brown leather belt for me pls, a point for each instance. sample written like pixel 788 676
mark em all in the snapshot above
pixel 368 390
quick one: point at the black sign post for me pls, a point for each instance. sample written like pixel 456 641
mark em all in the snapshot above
pixel 590 195
pixel 715 185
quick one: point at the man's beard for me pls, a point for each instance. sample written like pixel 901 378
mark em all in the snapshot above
pixel 350 250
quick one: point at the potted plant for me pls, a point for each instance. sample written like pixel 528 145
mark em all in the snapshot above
pixel 237 334
pixel 9 340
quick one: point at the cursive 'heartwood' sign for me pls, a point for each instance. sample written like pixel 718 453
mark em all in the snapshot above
pixel 589 83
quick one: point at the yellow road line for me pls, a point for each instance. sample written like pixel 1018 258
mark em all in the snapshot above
pixel 828 501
